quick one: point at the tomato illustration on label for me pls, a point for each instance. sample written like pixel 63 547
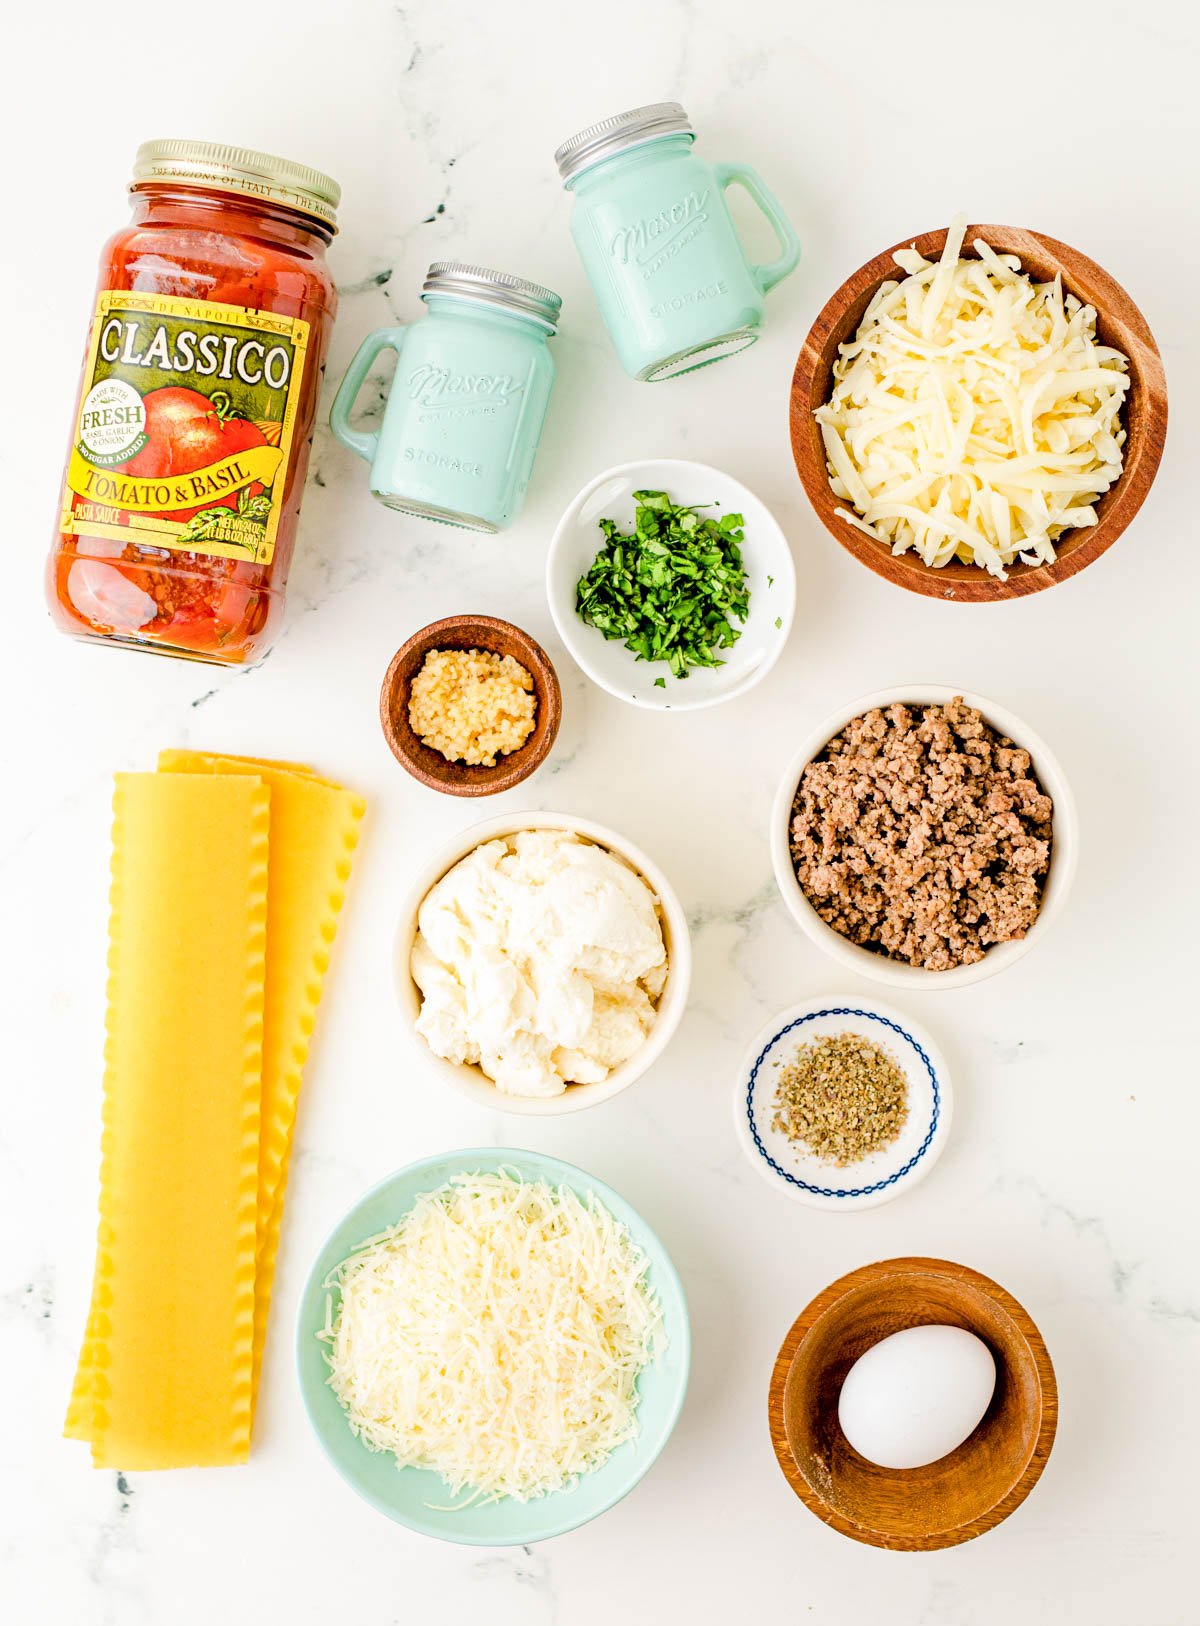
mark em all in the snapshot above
pixel 186 431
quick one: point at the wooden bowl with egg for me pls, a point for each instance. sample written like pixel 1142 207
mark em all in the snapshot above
pixel 960 1495
pixel 424 762
pixel 1119 324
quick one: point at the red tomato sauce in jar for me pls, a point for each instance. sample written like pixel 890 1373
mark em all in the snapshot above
pixel 195 412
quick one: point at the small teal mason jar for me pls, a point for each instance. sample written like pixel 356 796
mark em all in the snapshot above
pixel 466 406
pixel 657 241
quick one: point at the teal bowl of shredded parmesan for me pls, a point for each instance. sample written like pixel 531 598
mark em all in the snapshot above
pixel 492 1347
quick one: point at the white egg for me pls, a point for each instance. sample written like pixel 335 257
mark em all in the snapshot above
pixel 915 1396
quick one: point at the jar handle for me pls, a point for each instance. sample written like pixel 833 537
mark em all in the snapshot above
pixel 362 441
pixel 766 276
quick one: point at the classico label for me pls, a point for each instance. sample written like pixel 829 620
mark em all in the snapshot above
pixel 185 426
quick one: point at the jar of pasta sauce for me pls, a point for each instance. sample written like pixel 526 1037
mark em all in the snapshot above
pixel 192 426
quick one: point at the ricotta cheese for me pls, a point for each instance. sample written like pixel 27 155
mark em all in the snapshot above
pixel 975 415
pixel 540 958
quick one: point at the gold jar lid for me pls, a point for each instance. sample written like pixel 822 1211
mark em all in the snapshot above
pixel 242 170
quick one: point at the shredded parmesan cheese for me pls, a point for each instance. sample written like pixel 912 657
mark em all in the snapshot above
pixel 495 1335
pixel 974 415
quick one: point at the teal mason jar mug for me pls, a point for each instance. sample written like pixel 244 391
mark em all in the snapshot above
pixel 657 241
pixel 466 406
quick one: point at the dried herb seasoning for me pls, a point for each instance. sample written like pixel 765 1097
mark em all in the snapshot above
pixel 842 1097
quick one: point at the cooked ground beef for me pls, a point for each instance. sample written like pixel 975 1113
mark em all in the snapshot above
pixel 921 833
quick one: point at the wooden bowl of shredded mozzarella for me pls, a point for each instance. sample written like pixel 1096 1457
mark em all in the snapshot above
pixel 978 413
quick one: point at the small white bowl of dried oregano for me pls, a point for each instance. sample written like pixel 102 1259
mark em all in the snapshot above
pixel 843 1103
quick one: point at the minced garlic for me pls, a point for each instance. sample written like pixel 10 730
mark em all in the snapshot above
pixel 472 705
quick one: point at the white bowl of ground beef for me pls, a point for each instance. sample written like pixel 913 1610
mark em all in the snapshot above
pixel 853 850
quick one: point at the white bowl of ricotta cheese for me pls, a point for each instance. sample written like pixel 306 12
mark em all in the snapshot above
pixel 542 963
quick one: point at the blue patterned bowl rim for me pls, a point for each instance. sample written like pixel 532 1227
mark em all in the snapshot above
pixel 860 1014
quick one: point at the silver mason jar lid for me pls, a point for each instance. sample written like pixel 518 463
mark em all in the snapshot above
pixel 494 288
pixel 623 130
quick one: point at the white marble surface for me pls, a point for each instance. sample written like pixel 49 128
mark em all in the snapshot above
pixel 1072 1163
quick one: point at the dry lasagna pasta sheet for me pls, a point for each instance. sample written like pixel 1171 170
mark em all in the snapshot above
pixel 195 1151
pixel 314 831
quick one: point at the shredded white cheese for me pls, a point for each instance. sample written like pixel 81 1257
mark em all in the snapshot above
pixel 974 415
pixel 495 1335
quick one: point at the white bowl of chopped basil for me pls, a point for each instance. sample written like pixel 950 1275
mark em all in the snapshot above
pixel 671 584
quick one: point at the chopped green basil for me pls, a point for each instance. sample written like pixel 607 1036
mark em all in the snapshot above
pixel 672 590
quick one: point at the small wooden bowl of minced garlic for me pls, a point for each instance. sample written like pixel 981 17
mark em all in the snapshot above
pixel 470 705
